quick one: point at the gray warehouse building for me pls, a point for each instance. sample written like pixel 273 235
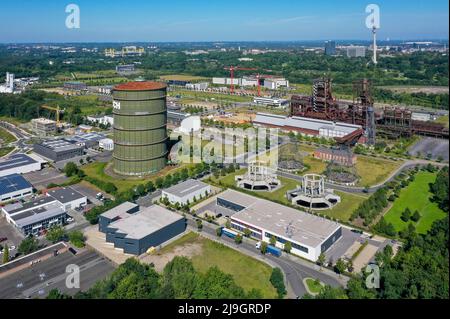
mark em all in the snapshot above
pixel 58 150
pixel 136 231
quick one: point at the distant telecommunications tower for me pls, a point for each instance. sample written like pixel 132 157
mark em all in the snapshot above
pixel 373 23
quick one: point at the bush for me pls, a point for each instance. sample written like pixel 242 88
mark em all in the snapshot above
pixel 77 238
pixel 277 280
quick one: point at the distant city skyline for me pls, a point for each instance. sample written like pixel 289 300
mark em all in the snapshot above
pixel 206 21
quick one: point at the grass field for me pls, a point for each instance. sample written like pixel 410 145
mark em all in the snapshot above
pixel 182 77
pixel 349 203
pixel 248 272
pixel 443 120
pixel 6 137
pixel 5 150
pixel 374 170
pixel 416 197
pixel 313 286
pixel 97 170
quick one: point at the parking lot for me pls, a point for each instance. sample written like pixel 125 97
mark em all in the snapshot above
pixel 90 192
pixel 42 178
pixel 14 237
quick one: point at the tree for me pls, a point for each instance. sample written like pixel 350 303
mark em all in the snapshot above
pixel 219 231
pixel 159 182
pixel 273 240
pixel 288 247
pixel 406 215
pixel 416 216
pixel 55 234
pixel 321 260
pixel 247 232
pixel 81 161
pixel 56 294
pixel 228 224
pixel 238 239
pixel 28 245
pixel 150 187
pixel 140 190
pixel 5 254
pixel 70 169
pixel 199 224
pixel 340 266
pixel 263 248
pixel 77 238
pixel 277 280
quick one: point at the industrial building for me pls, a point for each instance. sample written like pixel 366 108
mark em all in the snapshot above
pixel 126 68
pixel 308 234
pixel 356 52
pixel 135 232
pixel 106 144
pixel 101 119
pixel 32 217
pixel 140 128
pixel 89 140
pixel 14 187
pixel 58 150
pixel 186 192
pixel 9 86
pixel 305 125
pixel 68 198
pixel 197 86
pixel 339 156
pixel 270 101
pixel 75 86
pixel 274 83
pixel 43 127
pixel 312 194
pixel 176 118
pixel 20 164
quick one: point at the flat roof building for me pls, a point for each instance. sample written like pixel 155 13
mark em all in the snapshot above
pixel 43 127
pixel 33 217
pixel 20 164
pixel 14 187
pixel 308 234
pixel 136 232
pixel 185 192
pixel 305 125
pixel 58 150
pixel 68 197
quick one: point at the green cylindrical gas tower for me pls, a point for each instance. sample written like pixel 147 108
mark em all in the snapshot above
pixel 140 128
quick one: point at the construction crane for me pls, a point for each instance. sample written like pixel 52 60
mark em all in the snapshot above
pixel 56 109
pixel 235 68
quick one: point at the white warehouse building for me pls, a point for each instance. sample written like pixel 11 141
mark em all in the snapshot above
pixel 186 192
pixel 308 234
pixel 106 144
pixel 20 164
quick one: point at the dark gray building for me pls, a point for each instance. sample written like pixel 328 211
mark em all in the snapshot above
pixel 330 48
pixel 136 232
pixel 58 150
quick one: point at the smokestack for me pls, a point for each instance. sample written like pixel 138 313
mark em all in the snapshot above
pixel 374 31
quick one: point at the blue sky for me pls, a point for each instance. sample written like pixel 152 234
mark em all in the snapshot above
pixel 229 20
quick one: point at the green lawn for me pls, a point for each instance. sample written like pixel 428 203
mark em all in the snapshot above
pixel 349 203
pixel 97 170
pixel 374 170
pixel 5 150
pixel 416 197
pixel 287 184
pixel 6 137
pixel 248 272
pixel 443 120
pixel 313 286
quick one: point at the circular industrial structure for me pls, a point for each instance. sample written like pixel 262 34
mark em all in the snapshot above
pixel 140 128
pixel 259 177
pixel 312 193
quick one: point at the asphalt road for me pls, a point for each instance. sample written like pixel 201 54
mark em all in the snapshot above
pixel 39 279
pixel 295 269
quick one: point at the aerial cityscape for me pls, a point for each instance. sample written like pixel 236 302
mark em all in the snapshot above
pixel 204 152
